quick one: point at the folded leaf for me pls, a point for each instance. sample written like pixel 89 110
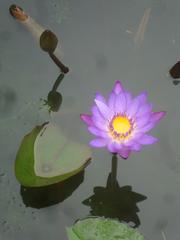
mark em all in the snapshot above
pixel 39 163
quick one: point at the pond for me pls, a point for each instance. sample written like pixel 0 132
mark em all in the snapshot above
pixel 102 41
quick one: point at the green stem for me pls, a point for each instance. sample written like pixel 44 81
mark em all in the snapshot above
pixel 114 164
pixel 57 82
pixel 62 67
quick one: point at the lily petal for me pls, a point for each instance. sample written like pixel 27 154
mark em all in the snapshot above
pixel 111 147
pixel 146 108
pixel 120 103
pixel 100 98
pixel 111 100
pixel 147 127
pixel 106 112
pixel 97 132
pixel 141 122
pixel 99 123
pixel 87 119
pixel 124 153
pixel 142 97
pixel 136 147
pixel 133 108
pixel 98 142
pixel 147 139
pixel 117 87
pixel 96 113
pixel 157 116
pixel 128 97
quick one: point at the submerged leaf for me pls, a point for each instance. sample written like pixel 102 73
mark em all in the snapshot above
pixel 42 171
pixel 102 229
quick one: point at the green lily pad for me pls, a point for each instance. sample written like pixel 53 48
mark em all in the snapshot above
pixel 102 229
pixel 46 157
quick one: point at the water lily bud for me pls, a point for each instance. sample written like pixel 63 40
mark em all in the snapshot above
pixel 48 41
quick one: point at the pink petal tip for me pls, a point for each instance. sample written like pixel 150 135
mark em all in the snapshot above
pixel 157 116
pixel 117 87
pixel 86 118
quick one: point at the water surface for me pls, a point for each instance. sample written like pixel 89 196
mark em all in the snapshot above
pixel 99 42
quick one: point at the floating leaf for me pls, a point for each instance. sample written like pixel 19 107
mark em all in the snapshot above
pixel 72 235
pixel 102 229
pixel 44 159
pixel 55 154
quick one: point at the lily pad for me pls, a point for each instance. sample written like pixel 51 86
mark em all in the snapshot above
pixel 46 157
pixel 55 155
pixel 102 229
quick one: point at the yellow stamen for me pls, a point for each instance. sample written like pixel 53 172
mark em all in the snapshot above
pixel 121 125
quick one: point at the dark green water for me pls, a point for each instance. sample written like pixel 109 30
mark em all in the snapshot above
pixel 97 40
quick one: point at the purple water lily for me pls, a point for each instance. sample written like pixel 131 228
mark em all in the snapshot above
pixel 121 122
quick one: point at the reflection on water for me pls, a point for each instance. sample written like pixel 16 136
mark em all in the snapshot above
pixel 54 98
pixel 139 37
pixel 54 11
pixel 114 201
pixel 101 62
pixel 99 49
pixel 8 99
pixel 5 36
pixel 41 197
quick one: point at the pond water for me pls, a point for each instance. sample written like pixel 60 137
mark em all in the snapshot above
pixel 100 41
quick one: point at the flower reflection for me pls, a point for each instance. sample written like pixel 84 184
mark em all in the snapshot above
pixel 121 123
pixel 114 201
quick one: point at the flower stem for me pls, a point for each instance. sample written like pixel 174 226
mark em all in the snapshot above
pixel 57 82
pixel 114 164
pixel 62 67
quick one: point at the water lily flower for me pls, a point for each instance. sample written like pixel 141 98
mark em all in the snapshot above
pixel 121 123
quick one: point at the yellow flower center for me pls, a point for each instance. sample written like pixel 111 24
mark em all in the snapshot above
pixel 121 124
pixel 121 128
